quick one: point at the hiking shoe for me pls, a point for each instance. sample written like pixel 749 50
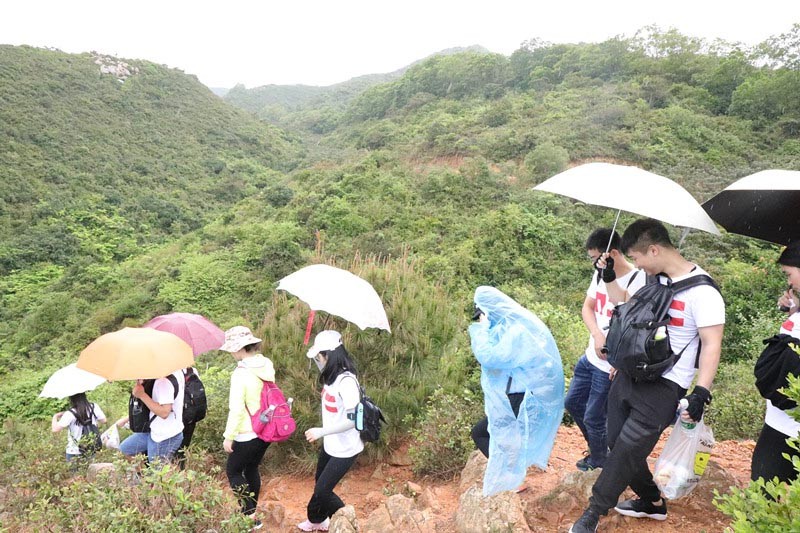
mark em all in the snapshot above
pixel 641 509
pixel 587 523
pixel 312 526
pixel 257 524
pixel 584 465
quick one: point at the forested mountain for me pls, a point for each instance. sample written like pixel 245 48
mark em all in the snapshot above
pixel 129 195
pixel 134 151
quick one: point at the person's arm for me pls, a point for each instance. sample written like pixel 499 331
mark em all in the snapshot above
pixel 237 410
pixel 590 320
pixel 710 352
pixel 158 409
pixel 55 426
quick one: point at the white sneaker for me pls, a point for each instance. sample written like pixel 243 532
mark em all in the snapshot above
pixel 312 526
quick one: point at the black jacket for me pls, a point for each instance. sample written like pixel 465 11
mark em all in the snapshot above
pixel 775 363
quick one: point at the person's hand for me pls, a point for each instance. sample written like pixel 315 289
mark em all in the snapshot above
pixel 314 434
pixel 599 341
pixel 483 318
pixel 227 445
pixel 788 301
pixel 138 391
pixel 605 266
pixel 612 374
pixel 58 415
pixel 698 399
pixel 121 422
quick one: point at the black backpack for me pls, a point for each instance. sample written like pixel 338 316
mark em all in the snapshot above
pixel 139 416
pixel 89 442
pixel 368 418
pixel 631 344
pixel 195 404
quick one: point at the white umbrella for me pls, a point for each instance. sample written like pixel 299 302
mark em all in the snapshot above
pixel 338 292
pixel 70 380
pixel 632 189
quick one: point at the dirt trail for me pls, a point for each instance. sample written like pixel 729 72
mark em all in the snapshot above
pixel 365 487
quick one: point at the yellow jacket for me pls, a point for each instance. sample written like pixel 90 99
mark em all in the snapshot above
pixel 246 385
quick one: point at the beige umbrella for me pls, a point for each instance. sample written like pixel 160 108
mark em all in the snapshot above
pixel 136 353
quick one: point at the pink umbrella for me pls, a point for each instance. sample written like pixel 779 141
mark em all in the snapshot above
pixel 196 330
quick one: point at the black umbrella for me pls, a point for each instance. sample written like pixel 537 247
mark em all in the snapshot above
pixel 764 205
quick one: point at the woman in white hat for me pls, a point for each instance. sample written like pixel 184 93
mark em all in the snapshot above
pixel 245 450
pixel 341 442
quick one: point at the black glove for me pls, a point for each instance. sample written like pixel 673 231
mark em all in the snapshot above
pixel 698 399
pixel 607 274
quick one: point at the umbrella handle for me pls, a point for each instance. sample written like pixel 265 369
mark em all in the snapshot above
pixel 308 326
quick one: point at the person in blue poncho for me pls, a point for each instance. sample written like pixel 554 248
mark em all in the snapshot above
pixel 523 387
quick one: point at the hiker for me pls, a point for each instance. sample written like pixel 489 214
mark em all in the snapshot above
pixel 155 415
pixel 768 461
pixel 81 413
pixel 190 422
pixel 245 450
pixel 341 441
pixel 523 387
pixel 639 411
pixel 587 396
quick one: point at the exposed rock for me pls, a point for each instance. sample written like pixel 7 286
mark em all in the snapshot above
pixel 273 514
pixel 399 513
pixel 400 458
pixel 344 520
pixel 473 471
pixel 95 470
pixel 568 498
pixel 413 489
pixel 502 512
pixel 275 489
pixel 378 473
pixel 428 499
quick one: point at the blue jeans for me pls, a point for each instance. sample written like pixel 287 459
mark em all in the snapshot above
pixel 138 443
pixel 587 402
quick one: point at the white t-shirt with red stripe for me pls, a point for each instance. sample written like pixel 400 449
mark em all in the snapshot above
pixel 603 309
pixel 779 419
pixel 338 398
pixel 699 307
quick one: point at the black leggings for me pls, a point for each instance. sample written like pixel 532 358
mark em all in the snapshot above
pixel 330 470
pixel 242 470
pixel 768 461
pixel 480 431
pixel 180 455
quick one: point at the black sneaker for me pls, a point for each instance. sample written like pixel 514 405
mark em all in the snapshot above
pixel 584 464
pixel 587 523
pixel 641 509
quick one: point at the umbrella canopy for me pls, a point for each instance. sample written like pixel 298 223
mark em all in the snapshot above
pixel 763 205
pixel 338 292
pixel 68 381
pixel 196 330
pixel 631 189
pixel 136 353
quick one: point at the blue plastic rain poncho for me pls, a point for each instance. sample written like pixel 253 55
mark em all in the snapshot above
pixel 514 342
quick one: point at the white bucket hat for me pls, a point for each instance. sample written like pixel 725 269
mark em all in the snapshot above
pixel 324 341
pixel 237 338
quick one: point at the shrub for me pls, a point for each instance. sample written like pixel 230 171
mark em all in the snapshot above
pixel 441 434
pixel 546 159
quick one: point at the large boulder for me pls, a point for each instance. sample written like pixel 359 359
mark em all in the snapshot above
pixel 502 512
pixel 399 513
pixel 473 471
pixel 344 521
pixel 568 499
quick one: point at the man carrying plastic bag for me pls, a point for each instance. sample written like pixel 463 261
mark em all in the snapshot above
pixel 518 355
pixel 684 458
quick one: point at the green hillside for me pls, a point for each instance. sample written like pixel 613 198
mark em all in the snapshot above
pixel 140 160
pixel 122 200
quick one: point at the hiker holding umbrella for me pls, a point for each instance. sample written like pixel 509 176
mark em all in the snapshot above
pixel 771 374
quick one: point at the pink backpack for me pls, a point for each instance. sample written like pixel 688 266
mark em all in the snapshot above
pixel 273 421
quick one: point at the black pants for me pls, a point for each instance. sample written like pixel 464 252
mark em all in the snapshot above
pixel 768 461
pixel 242 470
pixel 324 502
pixel 180 455
pixel 637 415
pixel 480 431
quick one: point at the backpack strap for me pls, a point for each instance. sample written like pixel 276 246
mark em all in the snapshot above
pixel 688 283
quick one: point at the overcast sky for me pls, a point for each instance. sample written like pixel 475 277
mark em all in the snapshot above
pixel 321 42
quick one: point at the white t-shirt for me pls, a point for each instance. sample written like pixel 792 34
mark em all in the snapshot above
pixel 75 430
pixel 163 393
pixel 603 308
pixel 694 308
pixel 779 419
pixel 338 398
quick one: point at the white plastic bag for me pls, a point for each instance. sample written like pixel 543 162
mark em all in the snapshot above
pixel 684 459
pixel 110 437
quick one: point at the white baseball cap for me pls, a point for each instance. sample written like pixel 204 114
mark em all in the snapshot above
pixel 324 341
